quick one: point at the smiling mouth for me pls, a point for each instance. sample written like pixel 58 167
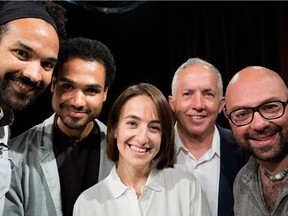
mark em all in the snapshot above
pixel 262 137
pixel 76 114
pixel 137 149
pixel 25 89
pixel 198 117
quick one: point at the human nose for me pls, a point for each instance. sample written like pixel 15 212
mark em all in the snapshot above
pixel 197 102
pixel 33 71
pixel 78 98
pixel 258 121
pixel 142 136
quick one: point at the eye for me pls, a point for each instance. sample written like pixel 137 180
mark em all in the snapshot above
pixel 186 94
pixel 242 114
pixel 209 94
pixel 92 91
pixel 48 66
pixel 22 55
pixel 67 86
pixel 155 128
pixel 131 123
pixel 271 107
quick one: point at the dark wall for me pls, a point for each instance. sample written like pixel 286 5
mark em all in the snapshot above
pixel 152 40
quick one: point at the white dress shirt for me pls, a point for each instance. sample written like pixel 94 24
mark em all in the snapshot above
pixel 167 192
pixel 5 166
pixel 206 169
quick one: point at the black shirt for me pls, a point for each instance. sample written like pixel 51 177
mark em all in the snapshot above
pixel 78 164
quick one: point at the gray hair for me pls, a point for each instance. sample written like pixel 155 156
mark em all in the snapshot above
pixel 196 61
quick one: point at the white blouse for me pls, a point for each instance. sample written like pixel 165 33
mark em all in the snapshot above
pixel 167 192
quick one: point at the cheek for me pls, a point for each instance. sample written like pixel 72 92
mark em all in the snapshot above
pixel 284 119
pixel 96 101
pixel 59 98
pixel 47 78
pixel 122 139
pixel 156 139
pixel 182 106
pixel 239 131
pixel 123 135
pixel 214 107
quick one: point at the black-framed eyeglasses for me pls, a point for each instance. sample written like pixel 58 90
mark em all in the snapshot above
pixel 271 110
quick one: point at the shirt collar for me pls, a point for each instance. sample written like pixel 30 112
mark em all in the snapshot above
pixel 154 182
pixel 215 142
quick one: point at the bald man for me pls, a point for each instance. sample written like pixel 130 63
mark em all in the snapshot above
pixel 256 106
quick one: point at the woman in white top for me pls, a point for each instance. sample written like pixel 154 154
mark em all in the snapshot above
pixel 140 140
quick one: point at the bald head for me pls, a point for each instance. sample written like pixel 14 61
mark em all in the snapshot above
pixel 253 85
pixel 252 73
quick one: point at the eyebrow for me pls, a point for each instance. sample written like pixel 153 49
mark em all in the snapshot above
pixel 24 46
pixel 269 100
pixel 65 79
pixel 136 117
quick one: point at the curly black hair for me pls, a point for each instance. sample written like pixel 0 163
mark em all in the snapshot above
pixel 58 14
pixel 88 50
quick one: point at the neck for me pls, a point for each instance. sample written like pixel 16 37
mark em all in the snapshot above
pixel 196 144
pixel 275 167
pixel 131 177
pixel 76 134
pixel 274 171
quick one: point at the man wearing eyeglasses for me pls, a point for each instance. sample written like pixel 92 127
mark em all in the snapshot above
pixel 256 106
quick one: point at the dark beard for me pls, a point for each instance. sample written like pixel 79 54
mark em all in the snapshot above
pixel 279 154
pixel 73 123
pixel 17 100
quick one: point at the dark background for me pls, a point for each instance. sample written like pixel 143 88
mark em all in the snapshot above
pixel 151 39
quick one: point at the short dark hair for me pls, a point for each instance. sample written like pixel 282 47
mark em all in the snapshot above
pixel 88 50
pixel 165 156
pixel 58 14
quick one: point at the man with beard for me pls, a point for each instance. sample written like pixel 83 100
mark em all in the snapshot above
pixel 29 44
pixel 61 157
pixel 256 106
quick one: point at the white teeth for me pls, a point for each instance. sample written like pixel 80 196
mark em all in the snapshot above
pixel 198 117
pixel 22 86
pixel 134 148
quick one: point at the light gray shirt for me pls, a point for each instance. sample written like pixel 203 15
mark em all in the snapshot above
pixel 35 184
pixel 248 198
pixel 5 162
pixel 5 167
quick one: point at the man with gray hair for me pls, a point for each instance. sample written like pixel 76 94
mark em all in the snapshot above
pixel 202 146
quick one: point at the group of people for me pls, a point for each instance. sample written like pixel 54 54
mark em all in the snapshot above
pixel 155 155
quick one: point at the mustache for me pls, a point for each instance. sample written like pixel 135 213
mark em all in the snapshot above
pixel 74 108
pixel 25 81
pixel 267 132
